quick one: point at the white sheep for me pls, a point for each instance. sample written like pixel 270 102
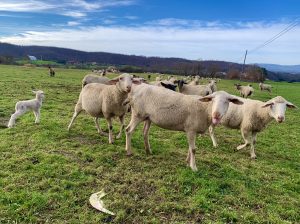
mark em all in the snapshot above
pixel 100 100
pixel 175 111
pixel 91 78
pixel 213 85
pixel 165 83
pixel 200 90
pixel 266 87
pixel 28 105
pixel 245 91
pixel 195 81
pixel 252 117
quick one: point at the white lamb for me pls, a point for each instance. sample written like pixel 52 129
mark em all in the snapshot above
pixel 213 85
pixel 175 111
pixel 100 100
pixel 252 117
pixel 265 87
pixel 28 105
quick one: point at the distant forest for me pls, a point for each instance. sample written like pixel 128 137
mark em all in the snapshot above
pixel 177 66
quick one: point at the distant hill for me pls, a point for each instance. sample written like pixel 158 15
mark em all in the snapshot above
pixel 293 69
pixel 148 64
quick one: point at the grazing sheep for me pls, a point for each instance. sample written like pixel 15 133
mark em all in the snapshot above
pixel 212 85
pixel 265 87
pixel 28 105
pixel 91 78
pixel 200 90
pixel 166 84
pixel 245 91
pixel 252 117
pixel 100 100
pixel 175 111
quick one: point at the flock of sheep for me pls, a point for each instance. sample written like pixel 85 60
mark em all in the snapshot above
pixel 193 110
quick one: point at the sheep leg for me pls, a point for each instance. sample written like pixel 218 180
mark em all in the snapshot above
pixel 99 128
pixel 121 118
pixel 253 142
pixel 247 139
pixel 110 132
pixel 129 130
pixel 192 150
pixel 13 118
pixel 212 136
pixel 37 116
pixel 147 125
pixel 77 111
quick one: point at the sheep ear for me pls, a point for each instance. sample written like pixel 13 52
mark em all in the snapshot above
pixel 290 105
pixel 113 81
pixel 164 85
pixel 236 101
pixel 206 98
pixel 33 91
pixel 268 104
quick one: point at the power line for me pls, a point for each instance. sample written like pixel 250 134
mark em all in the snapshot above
pixel 285 30
pixel 282 32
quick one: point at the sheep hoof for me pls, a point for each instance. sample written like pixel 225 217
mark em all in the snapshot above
pixel 195 169
pixel 240 147
pixel 118 137
pixel 216 145
pixel 253 156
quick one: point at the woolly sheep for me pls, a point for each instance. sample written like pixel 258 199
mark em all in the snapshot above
pixel 245 91
pixel 200 90
pixel 265 87
pixel 252 117
pixel 91 78
pixel 28 105
pixel 166 84
pixel 100 100
pixel 213 85
pixel 195 81
pixel 175 111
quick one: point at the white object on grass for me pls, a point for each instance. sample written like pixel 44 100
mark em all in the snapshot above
pixel 97 203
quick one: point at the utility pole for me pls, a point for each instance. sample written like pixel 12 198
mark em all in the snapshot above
pixel 243 70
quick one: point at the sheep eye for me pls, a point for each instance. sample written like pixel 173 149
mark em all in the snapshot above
pixel 121 79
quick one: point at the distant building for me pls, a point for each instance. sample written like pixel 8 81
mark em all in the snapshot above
pixel 31 58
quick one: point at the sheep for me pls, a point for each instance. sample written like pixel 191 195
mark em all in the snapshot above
pixel 166 84
pixel 265 87
pixel 200 90
pixel 175 111
pixel 213 85
pixel 100 100
pixel 158 78
pixel 245 91
pixel 28 105
pixel 195 81
pixel 51 71
pixel 91 78
pixel 252 117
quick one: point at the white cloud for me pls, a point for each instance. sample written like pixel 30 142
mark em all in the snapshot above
pixel 73 23
pixel 217 43
pixel 74 8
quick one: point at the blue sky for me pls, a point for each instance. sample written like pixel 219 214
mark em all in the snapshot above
pixel 208 30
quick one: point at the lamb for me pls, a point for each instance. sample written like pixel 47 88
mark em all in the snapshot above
pixel 252 117
pixel 175 111
pixel 200 90
pixel 91 78
pixel 265 87
pixel 28 105
pixel 100 100
pixel 245 91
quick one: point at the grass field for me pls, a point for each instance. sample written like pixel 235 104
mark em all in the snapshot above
pixel 47 173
